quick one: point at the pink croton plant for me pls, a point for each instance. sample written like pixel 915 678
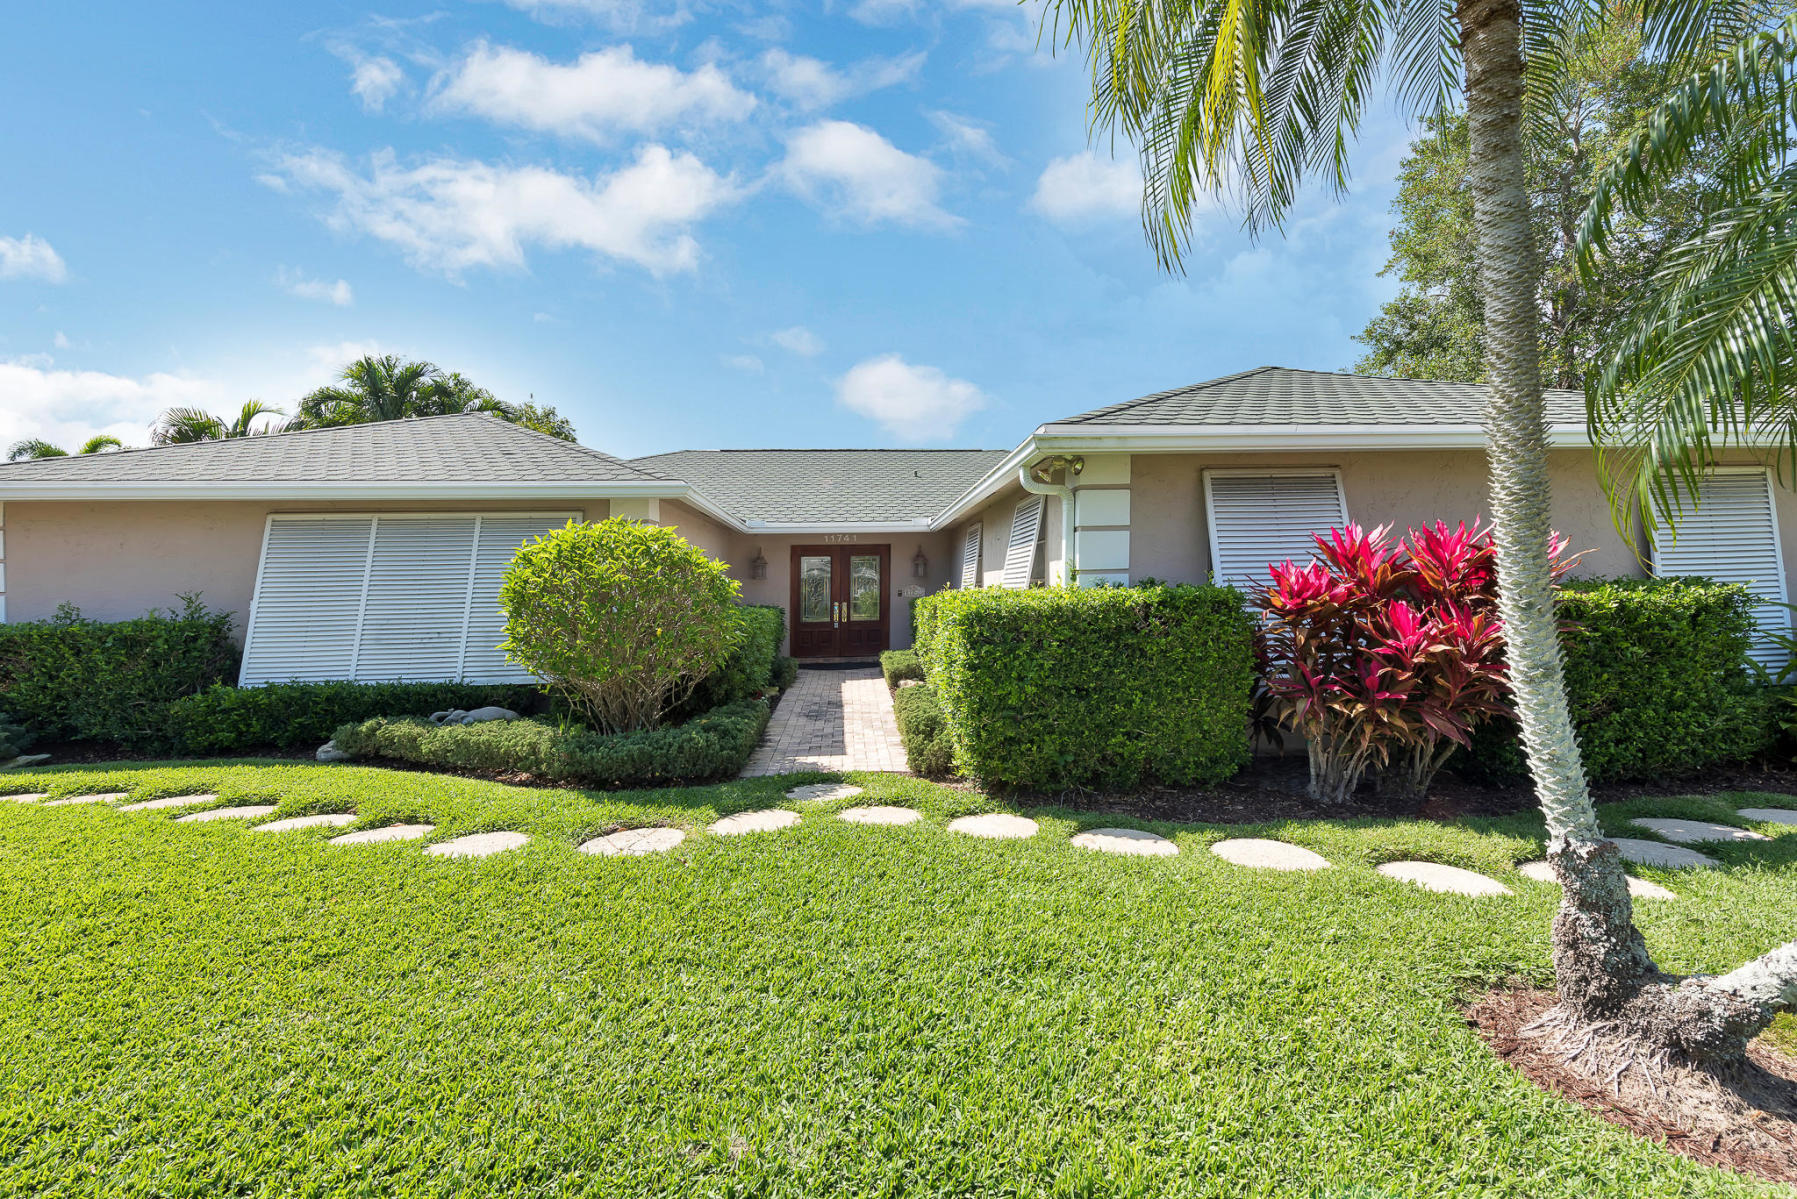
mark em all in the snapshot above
pixel 1386 654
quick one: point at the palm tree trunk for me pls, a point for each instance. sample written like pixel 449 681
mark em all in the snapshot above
pixel 1600 960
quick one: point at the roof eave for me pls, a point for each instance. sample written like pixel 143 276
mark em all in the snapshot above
pixel 250 490
pixel 1274 438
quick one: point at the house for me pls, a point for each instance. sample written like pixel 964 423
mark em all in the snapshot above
pixel 375 551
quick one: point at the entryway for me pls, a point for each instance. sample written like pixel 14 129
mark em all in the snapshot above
pixel 840 606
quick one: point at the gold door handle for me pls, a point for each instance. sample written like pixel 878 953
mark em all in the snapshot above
pixel 836 612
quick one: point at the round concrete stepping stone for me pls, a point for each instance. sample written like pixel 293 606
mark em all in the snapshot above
pixel 476 845
pixel 1771 815
pixel 823 791
pixel 324 820
pixel 392 832
pixel 103 797
pixel 634 842
pixel 1131 842
pixel 173 801
pixel 1658 853
pixel 1266 854
pixel 879 814
pixel 1433 876
pixel 1640 888
pixel 764 820
pixel 24 797
pixel 997 826
pixel 246 812
pixel 1692 832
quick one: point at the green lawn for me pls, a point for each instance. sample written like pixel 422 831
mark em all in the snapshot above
pixel 828 1010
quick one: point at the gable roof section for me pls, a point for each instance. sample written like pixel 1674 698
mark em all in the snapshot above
pixel 470 451
pixel 776 487
pixel 1280 397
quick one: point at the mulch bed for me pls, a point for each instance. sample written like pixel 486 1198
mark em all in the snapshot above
pixel 1757 1142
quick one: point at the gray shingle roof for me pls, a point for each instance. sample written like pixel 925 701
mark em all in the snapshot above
pixel 1275 395
pixel 825 486
pixel 472 448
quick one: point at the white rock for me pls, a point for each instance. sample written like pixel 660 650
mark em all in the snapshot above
pixel 328 752
pixel 1131 842
pixel 766 820
pixel 1693 832
pixel 392 832
pixel 324 820
pixel 1771 815
pixel 1658 853
pixel 483 715
pixel 823 791
pixel 172 801
pixel 1640 888
pixel 476 845
pixel 996 826
pixel 24 797
pixel 879 814
pixel 245 812
pixel 634 842
pixel 1433 876
pixel 103 797
pixel 24 760
pixel 1265 854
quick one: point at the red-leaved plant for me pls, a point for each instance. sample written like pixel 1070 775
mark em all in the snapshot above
pixel 1385 654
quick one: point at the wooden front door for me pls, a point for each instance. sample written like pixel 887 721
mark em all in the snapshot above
pixel 840 604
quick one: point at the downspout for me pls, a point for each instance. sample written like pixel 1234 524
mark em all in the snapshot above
pixel 1025 479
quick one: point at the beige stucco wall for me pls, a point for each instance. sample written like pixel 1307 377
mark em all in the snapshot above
pixel 995 534
pixel 116 560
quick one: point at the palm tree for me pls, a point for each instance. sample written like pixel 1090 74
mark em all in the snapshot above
pixel 37 447
pixel 180 425
pixel 1254 97
pixel 388 387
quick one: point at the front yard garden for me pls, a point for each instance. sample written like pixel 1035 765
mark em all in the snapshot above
pixel 200 1009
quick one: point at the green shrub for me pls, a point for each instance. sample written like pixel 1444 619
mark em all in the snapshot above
pixel 621 619
pixel 901 664
pixel 715 745
pixel 927 748
pixel 1658 680
pixel 786 672
pixel 224 720
pixel 67 678
pixel 1106 687
pixel 748 669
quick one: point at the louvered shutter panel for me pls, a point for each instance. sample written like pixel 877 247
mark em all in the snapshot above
pixel 500 538
pixel 970 556
pixel 307 609
pixel 1731 535
pixel 413 620
pixel 1020 554
pixel 1258 521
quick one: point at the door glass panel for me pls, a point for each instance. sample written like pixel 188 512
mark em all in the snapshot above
pixel 864 587
pixel 814 589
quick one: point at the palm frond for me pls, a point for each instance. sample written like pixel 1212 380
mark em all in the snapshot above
pixel 180 426
pixel 100 443
pixel 33 447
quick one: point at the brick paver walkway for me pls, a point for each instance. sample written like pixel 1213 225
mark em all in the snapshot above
pixel 831 720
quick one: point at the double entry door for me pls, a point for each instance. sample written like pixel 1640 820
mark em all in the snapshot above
pixel 839 601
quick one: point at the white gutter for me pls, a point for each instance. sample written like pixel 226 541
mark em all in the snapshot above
pixel 1275 438
pixel 1068 573
pixel 246 490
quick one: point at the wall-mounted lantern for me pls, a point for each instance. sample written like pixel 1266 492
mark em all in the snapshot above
pixel 758 565
pixel 920 565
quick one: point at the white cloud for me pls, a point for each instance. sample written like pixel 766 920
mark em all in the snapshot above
pixel 749 364
pixel 809 83
pixel 30 257
pixel 67 407
pixel 655 15
pixel 61 340
pixel 966 138
pixel 449 214
pixel 918 403
pixel 337 355
pixel 854 172
pixel 598 96
pixel 295 283
pixel 798 340
pixel 1082 188
pixel 375 81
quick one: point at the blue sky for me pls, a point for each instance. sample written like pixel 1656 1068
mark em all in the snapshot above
pixel 685 225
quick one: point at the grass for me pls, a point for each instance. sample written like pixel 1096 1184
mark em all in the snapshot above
pixel 828 1010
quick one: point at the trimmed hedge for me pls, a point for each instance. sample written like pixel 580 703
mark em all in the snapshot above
pixel 1658 678
pixel 928 751
pixel 786 673
pixel 900 664
pixel 73 679
pixel 714 746
pixel 747 671
pixel 1103 687
pixel 292 715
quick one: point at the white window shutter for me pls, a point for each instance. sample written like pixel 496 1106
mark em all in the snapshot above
pixel 1262 519
pixel 307 611
pixel 970 556
pixel 412 621
pixel 500 538
pixel 1020 554
pixel 1731 535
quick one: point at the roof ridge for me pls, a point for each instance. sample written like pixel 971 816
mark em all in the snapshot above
pixel 1123 405
pixel 563 442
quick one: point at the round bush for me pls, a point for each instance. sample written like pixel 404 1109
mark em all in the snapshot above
pixel 621 619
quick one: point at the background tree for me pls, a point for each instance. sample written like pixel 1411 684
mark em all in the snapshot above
pixel 1260 96
pixel 37 447
pixel 543 419
pixel 180 425
pixel 387 387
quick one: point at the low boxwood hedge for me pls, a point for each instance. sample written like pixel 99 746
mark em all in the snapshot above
pixel 1099 687
pixel 223 720
pixel 713 746
pixel 928 751
pixel 1658 679
pixel 901 664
